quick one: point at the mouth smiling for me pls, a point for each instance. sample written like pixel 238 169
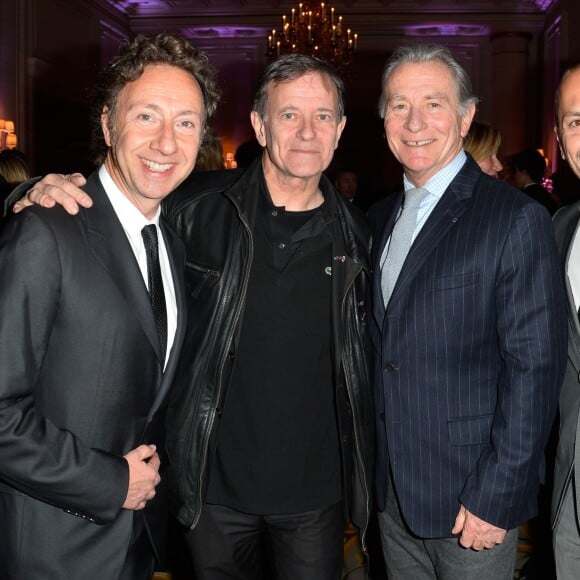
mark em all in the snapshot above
pixel 419 143
pixel 157 167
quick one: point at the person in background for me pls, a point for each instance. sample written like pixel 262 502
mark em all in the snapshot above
pixel 529 166
pixel 13 166
pixel 210 157
pixel 482 143
pixel 13 170
pixel 469 330
pixel 92 318
pixel 566 497
pixel 271 435
pixel 346 183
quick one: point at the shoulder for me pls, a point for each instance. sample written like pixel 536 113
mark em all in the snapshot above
pixel 198 185
pixel 567 213
pixel 503 199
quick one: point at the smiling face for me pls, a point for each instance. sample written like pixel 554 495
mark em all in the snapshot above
pixel 423 124
pixel 300 128
pixel 156 135
pixel 568 130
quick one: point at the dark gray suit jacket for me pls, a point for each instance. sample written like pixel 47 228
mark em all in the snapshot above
pixel 81 384
pixel 470 355
pixel 566 222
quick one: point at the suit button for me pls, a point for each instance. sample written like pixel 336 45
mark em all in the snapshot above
pixel 231 355
pixel 218 411
pixel 390 367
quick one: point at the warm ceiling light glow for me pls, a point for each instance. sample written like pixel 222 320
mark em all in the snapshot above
pixel 316 31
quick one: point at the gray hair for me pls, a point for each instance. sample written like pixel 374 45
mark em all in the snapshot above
pixel 290 67
pixel 420 53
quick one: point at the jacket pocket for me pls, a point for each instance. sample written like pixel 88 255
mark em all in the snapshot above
pixel 197 278
pixel 470 430
pixel 456 281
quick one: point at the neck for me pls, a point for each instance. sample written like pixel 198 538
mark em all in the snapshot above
pixel 294 193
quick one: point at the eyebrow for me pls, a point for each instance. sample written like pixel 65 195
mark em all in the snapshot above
pixel 157 108
pixel 428 97
pixel 570 114
pixel 296 108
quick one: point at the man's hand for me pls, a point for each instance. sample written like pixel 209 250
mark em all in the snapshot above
pixel 55 188
pixel 476 533
pixel 143 476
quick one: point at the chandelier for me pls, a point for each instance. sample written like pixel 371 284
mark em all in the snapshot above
pixel 316 32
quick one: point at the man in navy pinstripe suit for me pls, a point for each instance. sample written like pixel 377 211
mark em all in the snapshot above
pixel 470 341
pixel 566 500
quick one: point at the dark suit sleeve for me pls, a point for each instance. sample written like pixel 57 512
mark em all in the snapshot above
pixel 36 456
pixel 18 193
pixel 531 334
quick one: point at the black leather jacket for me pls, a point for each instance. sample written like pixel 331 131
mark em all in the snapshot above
pixel 213 213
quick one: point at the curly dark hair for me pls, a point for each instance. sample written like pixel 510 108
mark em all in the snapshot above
pixel 128 66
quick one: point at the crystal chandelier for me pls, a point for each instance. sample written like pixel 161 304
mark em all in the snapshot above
pixel 317 32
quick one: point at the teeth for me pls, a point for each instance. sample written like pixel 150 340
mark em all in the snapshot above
pixel 418 143
pixel 159 167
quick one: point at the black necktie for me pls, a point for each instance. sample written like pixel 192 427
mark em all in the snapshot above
pixel 156 293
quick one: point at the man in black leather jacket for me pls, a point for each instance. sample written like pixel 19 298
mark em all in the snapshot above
pixel 270 423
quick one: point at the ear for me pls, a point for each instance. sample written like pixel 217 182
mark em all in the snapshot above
pixel 339 130
pixel 562 153
pixel 467 119
pixel 105 126
pixel 258 125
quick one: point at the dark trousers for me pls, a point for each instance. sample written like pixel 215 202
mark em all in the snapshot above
pixel 228 544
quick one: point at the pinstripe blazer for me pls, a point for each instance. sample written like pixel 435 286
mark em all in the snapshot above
pixel 470 355
pixel 566 222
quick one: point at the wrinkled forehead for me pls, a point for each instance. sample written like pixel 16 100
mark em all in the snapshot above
pixel 307 83
pixel 422 78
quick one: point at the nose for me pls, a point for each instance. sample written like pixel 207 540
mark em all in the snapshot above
pixel 165 141
pixel 496 163
pixel 414 121
pixel 306 128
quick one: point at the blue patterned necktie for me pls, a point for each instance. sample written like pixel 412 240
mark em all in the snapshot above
pixel 401 239
pixel 149 234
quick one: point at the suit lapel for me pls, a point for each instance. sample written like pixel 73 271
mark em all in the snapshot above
pixel 444 216
pixel 570 228
pixel 108 241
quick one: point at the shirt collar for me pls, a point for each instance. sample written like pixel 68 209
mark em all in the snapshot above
pixel 437 184
pixel 132 220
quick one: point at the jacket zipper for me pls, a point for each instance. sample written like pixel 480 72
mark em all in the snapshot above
pixel 356 421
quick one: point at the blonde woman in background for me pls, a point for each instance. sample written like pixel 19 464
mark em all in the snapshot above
pixel 13 167
pixel 482 142
pixel 13 170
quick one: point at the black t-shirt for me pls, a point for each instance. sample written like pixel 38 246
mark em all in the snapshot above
pixel 277 449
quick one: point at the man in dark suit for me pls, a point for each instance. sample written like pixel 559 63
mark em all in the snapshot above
pixel 566 498
pixel 91 324
pixel 469 337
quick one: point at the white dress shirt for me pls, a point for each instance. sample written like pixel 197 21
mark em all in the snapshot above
pixel 133 221
pixel 435 188
pixel 573 267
